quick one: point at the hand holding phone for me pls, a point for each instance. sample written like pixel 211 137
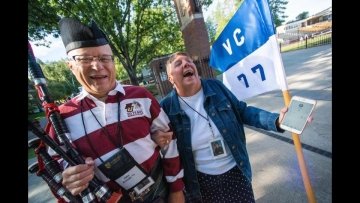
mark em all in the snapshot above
pixel 299 111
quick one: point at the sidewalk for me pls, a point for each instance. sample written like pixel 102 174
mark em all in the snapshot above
pixel 38 190
pixel 276 173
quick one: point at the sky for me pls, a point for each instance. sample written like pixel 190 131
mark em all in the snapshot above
pixel 293 9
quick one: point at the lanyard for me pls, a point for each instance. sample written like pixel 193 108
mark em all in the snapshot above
pixel 104 130
pixel 206 118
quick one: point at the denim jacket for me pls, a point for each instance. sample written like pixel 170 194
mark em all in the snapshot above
pixel 229 115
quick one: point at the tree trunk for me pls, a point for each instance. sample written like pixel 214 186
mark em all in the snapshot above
pixel 133 79
pixel 131 71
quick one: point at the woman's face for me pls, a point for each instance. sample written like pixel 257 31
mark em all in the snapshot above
pixel 183 74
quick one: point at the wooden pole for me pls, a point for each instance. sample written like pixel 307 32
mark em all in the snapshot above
pixel 309 192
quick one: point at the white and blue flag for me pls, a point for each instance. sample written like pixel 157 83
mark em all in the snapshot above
pixel 247 52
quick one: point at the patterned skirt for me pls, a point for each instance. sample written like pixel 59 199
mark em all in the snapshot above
pixel 231 186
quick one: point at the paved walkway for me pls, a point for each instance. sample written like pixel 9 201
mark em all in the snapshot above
pixel 276 172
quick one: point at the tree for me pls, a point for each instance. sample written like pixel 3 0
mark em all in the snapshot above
pixel 221 15
pixel 138 30
pixel 34 102
pixel 60 81
pixel 224 12
pixel 42 21
pixel 302 15
pixel 205 3
pixel 211 30
pixel 277 8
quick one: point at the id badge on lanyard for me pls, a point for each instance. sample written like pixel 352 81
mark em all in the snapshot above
pixel 217 148
pixel 122 168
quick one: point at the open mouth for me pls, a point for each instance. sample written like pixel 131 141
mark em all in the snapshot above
pixel 98 77
pixel 188 73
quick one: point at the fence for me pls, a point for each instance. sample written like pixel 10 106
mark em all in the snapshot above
pixel 307 42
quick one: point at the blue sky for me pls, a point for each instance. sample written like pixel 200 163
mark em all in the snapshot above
pixel 293 8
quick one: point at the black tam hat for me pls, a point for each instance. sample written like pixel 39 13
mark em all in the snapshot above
pixel 76 35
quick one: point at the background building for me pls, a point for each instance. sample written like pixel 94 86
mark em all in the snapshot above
pixel 317 24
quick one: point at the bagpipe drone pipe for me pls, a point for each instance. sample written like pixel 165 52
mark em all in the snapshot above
pixel 49 169
pixel 64 148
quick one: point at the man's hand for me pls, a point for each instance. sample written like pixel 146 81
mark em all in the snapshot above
pixel 162 138
pixel 176 197
pixel 77 178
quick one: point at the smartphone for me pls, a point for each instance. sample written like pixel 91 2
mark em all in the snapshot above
pixel 299 111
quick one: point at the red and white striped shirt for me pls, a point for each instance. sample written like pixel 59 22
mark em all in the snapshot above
pixel 140 115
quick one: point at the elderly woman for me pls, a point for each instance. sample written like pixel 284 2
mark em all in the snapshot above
pixel 208 121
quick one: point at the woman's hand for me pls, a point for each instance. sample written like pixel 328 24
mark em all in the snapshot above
pixel 162 138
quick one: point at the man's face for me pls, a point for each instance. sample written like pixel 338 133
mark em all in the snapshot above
pixel 97 77
pixel 183 73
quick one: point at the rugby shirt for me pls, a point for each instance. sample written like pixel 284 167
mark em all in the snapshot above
pixel 140 115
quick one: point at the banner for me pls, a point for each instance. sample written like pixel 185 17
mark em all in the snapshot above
pixel 247 53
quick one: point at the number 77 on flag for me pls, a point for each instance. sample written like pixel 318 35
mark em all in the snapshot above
pixel 247 54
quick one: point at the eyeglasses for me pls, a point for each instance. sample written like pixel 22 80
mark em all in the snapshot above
pixel 86 60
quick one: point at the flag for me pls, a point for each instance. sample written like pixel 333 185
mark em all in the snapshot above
pixel 247 53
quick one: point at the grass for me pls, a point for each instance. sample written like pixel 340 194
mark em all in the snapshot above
pixel 31 153
pixel 311 42
pixel 36 116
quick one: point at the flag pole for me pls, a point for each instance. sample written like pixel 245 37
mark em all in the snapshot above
pixel 252 15
pixel 309 192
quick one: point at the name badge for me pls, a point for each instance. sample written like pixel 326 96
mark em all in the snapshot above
pixel 217 148
pixel 122 168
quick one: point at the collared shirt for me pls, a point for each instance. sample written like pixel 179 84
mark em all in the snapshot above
pixel 140 115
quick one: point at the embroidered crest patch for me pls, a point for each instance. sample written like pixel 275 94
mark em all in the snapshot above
pixel 133 109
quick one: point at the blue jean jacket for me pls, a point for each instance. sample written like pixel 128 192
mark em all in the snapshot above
pixel 229 115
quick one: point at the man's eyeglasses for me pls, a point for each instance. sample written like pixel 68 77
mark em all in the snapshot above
pixel 86 60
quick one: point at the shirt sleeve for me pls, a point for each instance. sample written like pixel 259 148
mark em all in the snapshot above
pixel 173 170
pixel 251 115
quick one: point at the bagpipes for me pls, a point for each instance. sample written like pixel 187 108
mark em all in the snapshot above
pixel 50 170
